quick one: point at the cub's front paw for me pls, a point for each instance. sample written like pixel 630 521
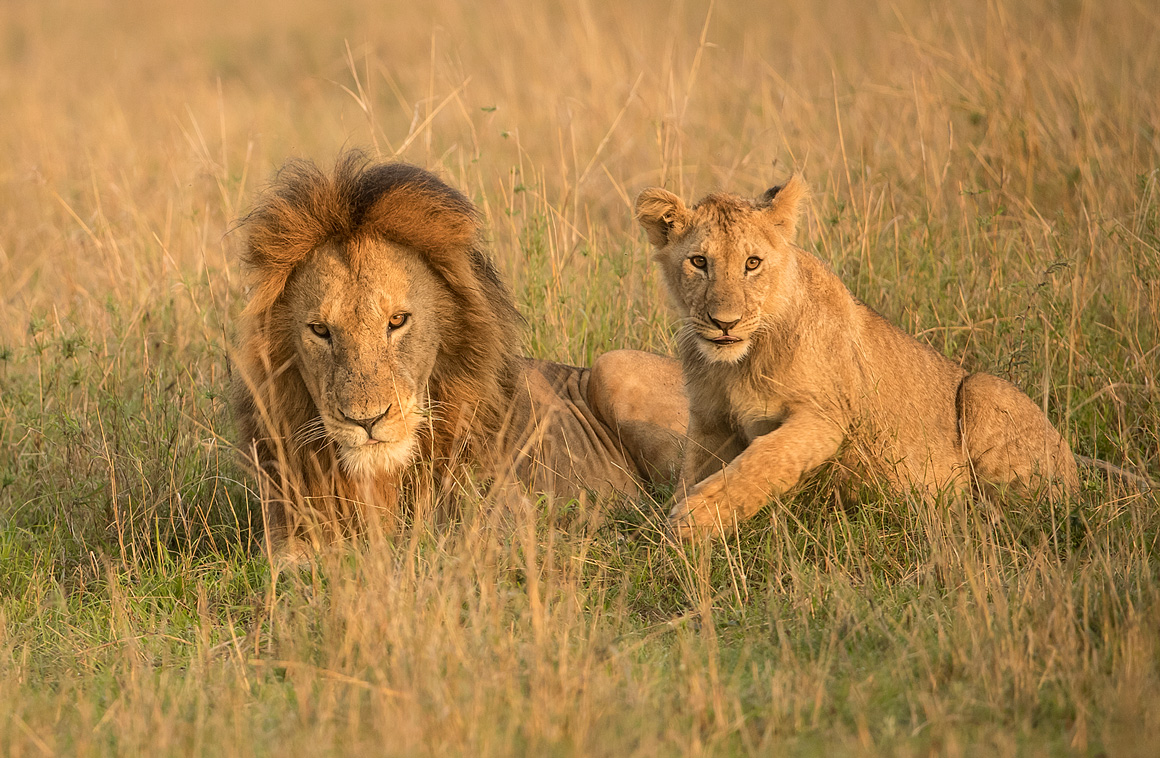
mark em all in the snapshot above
pixel 702 512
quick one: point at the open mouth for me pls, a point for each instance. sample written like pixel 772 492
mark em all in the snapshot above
pixel 724 340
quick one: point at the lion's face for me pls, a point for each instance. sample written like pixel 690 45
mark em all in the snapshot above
pixel 725 262
pixel 366 339
pixel 720 281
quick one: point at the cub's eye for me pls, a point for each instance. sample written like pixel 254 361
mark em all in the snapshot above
pixel 752 263
pixel 320 330
pixel 397 320
pixel 698 261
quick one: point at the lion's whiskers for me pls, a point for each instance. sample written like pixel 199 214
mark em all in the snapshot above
pixel 431 411
pixel 310 432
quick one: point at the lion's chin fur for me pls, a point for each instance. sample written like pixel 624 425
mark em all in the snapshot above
pixel 734 353
pixel 372 460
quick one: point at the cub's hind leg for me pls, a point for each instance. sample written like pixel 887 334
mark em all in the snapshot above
pixel 640 397
pixel 1009 442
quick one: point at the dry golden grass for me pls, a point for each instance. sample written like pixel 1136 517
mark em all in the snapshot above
pixel 987 175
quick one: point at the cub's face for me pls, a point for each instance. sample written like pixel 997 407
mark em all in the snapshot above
pixel 366 336
pixel 726 262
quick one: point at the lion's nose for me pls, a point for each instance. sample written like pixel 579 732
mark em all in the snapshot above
pixel 367 423
pixel 725 326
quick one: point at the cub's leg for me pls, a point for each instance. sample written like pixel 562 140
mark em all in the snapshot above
pixel 1008 440
pixel 772 464
pixel 641 398
pixel 710 447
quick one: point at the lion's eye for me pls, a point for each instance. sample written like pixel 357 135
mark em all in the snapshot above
pixel 698 261
pixel 320 330
pixel 752 263
pixel 398 320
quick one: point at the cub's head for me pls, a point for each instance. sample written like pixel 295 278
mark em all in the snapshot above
pixel 373 315
pixel 728 262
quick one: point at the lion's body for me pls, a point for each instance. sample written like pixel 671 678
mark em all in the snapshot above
pixel 559 441
pixel 785 370
pixel 378 356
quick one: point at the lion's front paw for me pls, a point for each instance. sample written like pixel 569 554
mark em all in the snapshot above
pixel 702 512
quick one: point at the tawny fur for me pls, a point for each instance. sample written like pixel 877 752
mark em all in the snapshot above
pixel 785 370
pixel 378 356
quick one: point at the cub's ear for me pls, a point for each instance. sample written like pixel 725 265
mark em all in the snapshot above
pixel 784 204
pixel 662 214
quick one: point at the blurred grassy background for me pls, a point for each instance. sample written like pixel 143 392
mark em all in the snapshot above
pixel 986 175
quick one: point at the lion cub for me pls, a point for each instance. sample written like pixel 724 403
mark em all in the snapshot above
pixel 785 369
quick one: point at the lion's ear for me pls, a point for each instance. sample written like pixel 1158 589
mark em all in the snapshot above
pixel 661 214
pixel 785 204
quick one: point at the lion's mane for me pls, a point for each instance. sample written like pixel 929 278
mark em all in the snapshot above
pixel 470 386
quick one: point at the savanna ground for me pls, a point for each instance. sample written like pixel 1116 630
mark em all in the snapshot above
pixel 986 175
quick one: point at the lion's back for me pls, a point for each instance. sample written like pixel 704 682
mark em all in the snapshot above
pixel 554 439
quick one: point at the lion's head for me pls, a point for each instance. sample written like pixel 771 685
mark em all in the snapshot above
pixel 376 329
pixel 727 262
pixel 366 319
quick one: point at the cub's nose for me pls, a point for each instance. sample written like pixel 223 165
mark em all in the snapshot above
pixel 725 326
pixel 367 423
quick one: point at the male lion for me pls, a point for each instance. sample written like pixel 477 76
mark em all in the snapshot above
pixel 785 369
pixel 378 352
